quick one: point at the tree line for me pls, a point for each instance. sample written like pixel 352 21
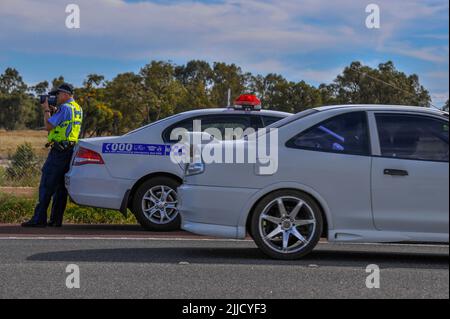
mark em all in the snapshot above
pixel 161 89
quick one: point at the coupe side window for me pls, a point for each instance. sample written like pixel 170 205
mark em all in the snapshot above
pixel 346 134
pixel 413 137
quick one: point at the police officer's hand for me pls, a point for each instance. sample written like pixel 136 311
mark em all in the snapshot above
pixel 45 106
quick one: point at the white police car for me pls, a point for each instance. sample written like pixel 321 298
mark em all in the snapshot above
pixel 135 170
pixel 355 173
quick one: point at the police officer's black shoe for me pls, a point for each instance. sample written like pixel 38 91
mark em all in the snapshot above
pixel 34 224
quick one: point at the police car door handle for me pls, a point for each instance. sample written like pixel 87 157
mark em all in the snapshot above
pixel 395 172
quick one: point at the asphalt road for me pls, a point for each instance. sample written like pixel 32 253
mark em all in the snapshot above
pixel 206 268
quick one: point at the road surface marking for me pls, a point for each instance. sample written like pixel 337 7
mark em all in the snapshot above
pixel 208 239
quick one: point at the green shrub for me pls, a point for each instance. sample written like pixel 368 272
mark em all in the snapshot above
pixel 24 169
pixel 15 210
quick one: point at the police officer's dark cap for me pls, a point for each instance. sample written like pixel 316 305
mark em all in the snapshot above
pixel 65 87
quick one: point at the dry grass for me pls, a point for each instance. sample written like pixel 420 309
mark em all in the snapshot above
pixel 9 140
pixel 23 192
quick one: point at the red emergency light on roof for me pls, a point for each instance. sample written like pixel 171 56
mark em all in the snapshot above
pixel 248 101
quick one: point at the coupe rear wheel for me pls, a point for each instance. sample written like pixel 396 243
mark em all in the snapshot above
pixel 287 224
pixel 155 204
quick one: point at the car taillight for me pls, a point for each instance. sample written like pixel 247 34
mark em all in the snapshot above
pixel 86 156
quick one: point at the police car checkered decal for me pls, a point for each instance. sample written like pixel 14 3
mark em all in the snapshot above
pixel 136 149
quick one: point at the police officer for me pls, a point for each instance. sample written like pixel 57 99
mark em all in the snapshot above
pixel 64 128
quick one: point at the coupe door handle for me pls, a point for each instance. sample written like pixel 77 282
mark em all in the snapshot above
pixel 395 172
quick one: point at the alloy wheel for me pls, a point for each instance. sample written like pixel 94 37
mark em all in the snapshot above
pixel 287 224
pixel 159 204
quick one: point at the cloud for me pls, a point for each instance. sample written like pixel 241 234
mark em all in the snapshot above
pixel 320 76
pixel 430 54
pixel 280 36
pixel 440 98
pixel 232 28
pixel 133 30
pixel 438 75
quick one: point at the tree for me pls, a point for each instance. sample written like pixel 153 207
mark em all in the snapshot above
pixel 446 106
pixel 304 96
pixel 16 106
pixel 161 89
pixel 360 84
pixel 101 119
pixel 98 117
pixel 225 77
pixel 57 82
pixel 38 119
pixel 93 80
pixel 41 88
pixel 124 94
pixel 196 78
pixel 274 91
pixel 162 92
pixel 327 95
pixel 11 82
pixel 194 71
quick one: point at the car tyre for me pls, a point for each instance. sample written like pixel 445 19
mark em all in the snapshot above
pixel 287 224
pixel 154 204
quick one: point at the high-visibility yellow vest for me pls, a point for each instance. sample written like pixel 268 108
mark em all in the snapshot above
pixel 60 133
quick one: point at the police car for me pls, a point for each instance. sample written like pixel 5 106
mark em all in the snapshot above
pixel 355 173
pixel 135 171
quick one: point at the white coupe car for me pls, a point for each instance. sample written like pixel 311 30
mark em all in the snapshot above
pixel 350 173
pixel 135 170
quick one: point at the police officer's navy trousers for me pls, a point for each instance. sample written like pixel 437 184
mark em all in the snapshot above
pixel 52 185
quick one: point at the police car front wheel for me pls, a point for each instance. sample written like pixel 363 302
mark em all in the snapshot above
pixel 155 204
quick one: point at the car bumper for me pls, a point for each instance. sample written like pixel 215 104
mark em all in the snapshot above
pixel 213 211
pixel 93 186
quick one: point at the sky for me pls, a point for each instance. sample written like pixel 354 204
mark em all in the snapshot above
pixel 311 40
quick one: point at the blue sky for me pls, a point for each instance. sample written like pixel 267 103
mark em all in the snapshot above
pixel 311 40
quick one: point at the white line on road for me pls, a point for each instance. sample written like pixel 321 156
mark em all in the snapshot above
pixel 210 240
pixel 123 238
